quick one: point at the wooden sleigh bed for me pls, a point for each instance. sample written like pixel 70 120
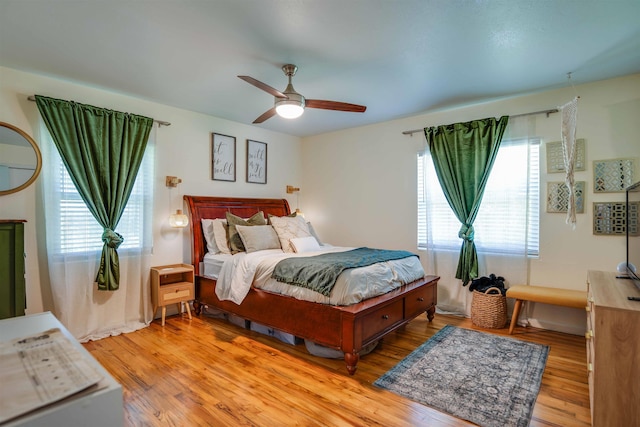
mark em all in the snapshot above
pixel 345 328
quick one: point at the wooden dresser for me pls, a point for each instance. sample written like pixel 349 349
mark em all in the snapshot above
pixel 613 350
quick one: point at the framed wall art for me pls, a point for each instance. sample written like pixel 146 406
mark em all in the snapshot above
pixel 256 162
pixel 612 175
pixel 610 218
pixel 223 157
pixel 558 196
pixel 555 156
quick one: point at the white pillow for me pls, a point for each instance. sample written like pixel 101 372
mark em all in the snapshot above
pixel 258 237
pixel 305 244
pixel 220 235
pixel 207 230
pixel 313 233
pixel 289 228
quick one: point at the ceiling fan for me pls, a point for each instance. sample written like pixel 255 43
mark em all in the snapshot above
pixel 290 104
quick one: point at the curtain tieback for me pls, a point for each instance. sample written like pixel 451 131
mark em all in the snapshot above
pixel 111 238
pixel 466 232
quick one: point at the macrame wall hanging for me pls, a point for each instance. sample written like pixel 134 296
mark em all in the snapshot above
pixel 569 113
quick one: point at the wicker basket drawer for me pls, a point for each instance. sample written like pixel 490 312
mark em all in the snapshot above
pixel 176 292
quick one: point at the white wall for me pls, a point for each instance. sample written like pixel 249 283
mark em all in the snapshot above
pixel 359 185
pixel 183 150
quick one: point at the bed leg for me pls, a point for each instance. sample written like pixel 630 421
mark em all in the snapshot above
pixel 197 307
pixel 351 359
pixel 431 313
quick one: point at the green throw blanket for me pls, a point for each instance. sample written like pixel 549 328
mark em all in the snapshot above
pixel 320 272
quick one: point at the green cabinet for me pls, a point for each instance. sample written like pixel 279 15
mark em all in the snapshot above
pixel 12 285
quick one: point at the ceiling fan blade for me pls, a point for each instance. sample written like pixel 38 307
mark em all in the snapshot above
pixel 333 105
pixel 266 115
pixel 265 87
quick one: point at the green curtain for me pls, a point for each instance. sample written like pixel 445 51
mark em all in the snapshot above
pixel 463 155
pixel 102 151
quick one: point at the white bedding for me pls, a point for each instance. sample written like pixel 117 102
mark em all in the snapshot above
pixel 244 270
pixel 213 264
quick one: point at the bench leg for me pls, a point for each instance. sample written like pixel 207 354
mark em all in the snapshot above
pixel 514 317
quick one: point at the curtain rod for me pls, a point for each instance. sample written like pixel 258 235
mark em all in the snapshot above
pixel 547 112
pixel 159 122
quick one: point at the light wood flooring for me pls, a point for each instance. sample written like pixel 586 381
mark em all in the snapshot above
pixel 209 372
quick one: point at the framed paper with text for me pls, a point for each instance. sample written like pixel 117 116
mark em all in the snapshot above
pixel 256 162
pixel 223 157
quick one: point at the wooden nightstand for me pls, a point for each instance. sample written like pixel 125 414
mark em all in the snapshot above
pixel 172 284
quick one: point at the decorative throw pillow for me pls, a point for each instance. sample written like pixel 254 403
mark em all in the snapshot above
pixel 289 228
pixel 220 235
pixel 304 244
pixel 291 215
pixel 235 241
pixel 207 230
pixel 258 237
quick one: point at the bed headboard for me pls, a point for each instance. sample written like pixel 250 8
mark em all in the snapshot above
pixel 204 207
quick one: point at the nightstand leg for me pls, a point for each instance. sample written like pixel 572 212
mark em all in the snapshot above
pixel 164 313
pixel 186 303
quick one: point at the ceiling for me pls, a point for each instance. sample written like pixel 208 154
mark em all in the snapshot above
pixel 398 57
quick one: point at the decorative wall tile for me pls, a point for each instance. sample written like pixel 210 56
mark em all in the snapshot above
pixel 558 196
pixel 555 158
pixel 612 175
pixel 609 218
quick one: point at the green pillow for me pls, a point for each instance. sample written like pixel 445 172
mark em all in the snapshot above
pixel 235 242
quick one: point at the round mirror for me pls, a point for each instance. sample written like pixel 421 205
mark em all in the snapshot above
pixel 20 159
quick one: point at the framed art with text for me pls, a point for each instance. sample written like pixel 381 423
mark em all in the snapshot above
pixel 256 162
pixel 223 157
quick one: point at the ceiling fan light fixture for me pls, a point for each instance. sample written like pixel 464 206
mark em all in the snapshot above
pixel 289 109
pixel 289 104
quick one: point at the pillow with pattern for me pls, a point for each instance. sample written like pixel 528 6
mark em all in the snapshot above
pixel 289 228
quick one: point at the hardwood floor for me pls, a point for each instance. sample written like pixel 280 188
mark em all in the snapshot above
pixel 207 371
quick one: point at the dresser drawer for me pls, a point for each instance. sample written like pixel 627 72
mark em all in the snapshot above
pixel 419 301
pixel 382 319
pixel 174 293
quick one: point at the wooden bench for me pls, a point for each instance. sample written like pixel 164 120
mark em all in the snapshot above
pixel 545 295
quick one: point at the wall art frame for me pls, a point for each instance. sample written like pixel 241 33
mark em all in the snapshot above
pixel 613 176
pixel 609 218
pixel 555 156
pixel 558 196
pixel 223 157
pixel 256 162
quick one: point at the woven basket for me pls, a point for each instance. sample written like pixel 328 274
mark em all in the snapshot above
pixel 489 310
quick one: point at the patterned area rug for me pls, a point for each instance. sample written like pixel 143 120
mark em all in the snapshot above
pixel 483 378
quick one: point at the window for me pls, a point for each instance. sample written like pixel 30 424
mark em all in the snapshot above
pixel 78 231
pixel 508 219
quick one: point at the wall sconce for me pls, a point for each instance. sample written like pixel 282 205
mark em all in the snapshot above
pixel 290 190
pixel 172 181
pixel 178 219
